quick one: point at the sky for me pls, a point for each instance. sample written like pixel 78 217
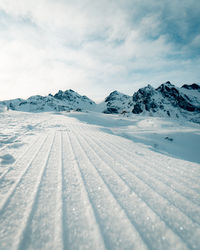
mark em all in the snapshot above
pixel 97 46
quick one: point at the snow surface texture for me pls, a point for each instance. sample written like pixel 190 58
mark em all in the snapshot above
pixel 96 181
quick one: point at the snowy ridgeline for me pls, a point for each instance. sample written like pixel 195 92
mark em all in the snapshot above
pixel 62 101
pixel 165 101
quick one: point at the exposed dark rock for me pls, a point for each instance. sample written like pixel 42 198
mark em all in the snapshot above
pixel 117 102
pixel 145 96
pixel 23 103
pixel 176 98
pixel 168 100
pixel 137 109
pixel 193 86
pixel 169 138
pixel 11 106
pixel 67 95
pixel 111 110
pixel 112 96
pixel 61 101
pixel 144 93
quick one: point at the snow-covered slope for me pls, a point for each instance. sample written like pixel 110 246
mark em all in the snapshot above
pixel 165 101
pixel 12 104
pixel 168 101
pixel 117 102
pixel 3 108
pixel 75 101
pixel 94 181
pixel 67 100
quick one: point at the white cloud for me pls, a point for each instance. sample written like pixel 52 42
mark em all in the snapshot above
pixel 92 47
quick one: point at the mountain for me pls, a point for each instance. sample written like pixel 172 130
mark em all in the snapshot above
pixel 165 101
pixel 117 102
pixel 169 100
pixel 61 101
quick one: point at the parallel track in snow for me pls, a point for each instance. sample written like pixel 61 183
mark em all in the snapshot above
pixel 79 188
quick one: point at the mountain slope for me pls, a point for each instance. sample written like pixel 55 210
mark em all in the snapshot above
pixel 117 102
pixel 168 100
pixel 61 101
pixel 165 101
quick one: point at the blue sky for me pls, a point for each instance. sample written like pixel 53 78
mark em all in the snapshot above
pixel 95 47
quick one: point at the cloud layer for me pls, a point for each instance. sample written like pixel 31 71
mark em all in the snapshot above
pixel 95 47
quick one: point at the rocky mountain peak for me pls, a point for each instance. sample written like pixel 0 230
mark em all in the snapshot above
pixel 168 100
pixel 66 95
pixel 61 101
pixel 193 86
pixel 117 102
pixel 177 97
pixel 115 95
pixel 143 93
pixel 168 89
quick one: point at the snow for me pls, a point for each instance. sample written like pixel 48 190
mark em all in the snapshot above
pixel 98 181
pixel 194 95
pixel 62 101
pixel 117 102
pixel 3 108
pixel 168 101
pixel 165 101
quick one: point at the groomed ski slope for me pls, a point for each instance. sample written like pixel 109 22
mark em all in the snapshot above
pixel 72 185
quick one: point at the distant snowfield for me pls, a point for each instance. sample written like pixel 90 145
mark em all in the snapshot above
pixel 95 181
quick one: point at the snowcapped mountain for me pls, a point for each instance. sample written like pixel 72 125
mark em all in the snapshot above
pixel 165 101
pixel 61 101
pixel 117 102
pixel 169 100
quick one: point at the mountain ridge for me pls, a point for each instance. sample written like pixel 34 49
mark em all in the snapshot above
pixel 167 100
